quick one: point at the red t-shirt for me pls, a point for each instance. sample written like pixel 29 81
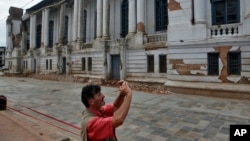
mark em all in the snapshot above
pixel 101 127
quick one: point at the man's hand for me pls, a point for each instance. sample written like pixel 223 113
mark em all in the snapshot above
pixel 122 103
pixel 124 88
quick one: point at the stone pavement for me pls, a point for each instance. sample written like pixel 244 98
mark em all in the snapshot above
pixel 152 117
pixel 12 130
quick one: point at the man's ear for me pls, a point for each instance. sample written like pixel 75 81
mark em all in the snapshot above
pixel 91 101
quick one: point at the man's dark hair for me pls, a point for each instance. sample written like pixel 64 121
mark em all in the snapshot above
pixel 89 92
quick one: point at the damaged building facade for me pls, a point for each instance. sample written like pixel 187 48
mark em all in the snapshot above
pixel 190 46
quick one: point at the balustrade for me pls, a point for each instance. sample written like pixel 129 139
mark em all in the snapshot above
pixel 225 30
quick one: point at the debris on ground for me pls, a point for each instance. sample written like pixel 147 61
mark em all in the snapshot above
pixel 158 88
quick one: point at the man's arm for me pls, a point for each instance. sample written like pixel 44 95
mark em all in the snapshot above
pixel 118 102
pixel 123 104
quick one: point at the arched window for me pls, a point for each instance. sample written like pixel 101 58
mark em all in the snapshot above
pixel 161 15
pixel 85 25
pixel 38 36
pixel 124 18
pixel 51 33
pixel 66 22
pixel 225 11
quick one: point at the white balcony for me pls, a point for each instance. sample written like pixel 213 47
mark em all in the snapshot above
pixel 227 30
pixel 157 37
pixel 86 45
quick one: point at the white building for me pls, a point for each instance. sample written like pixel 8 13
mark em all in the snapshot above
pixel 191 46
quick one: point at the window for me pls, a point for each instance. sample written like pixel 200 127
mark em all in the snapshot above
pixel 47 64
pixel 51 33
pixel 234 63
pixel 161 15
pixel 163 63
pixel 89 64
pixel 1 58
pixel 27 44
pixel 95 24
pixel 24 67
pixel 38 36
pixel 225 11
pixel 124 18
pixel 85 25
pixel 26 64
pixel 50 64
pixel 83 64
pixel 150 63
pixel 213 63
pixel 66 22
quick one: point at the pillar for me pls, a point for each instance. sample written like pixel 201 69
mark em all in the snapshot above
pixel 199 11
pixel 33 31
pixel 45 27
pixel 140 16
pixel 106 17
pixel 75 17
pixel 61 24
pixel 132 17
pixel 80 20
pixel 99 19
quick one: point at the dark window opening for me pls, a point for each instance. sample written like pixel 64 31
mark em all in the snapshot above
pixel 163 63
pixel 26 64
pixel 161 15
pixel 83 64
pixel 124 18
pixel 24 67
pixel 27 45
pixel 225 12
pixel 38 36
pixel 51 33
pixel 150 61
pixel 50 64
pixel 66 24
pixel 213 63
pixel 95 24
pixel 234 63
pixel 47 64
pixel 89 64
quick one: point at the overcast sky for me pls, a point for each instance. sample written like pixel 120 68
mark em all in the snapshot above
pixel 4 8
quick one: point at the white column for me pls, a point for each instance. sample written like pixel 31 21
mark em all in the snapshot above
pixel 140 16
pixel 43 30
pixel 199 11
pixel 132 17
pixel 106 17
pixel 24 38
pixel 61 24
pixel 75 17
pixel 46 27
pixel 99 19
pixel 80 19
pixel 247 9
pixel 33 31
pixel 9 37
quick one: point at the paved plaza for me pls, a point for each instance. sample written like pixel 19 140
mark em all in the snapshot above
pixel 152 117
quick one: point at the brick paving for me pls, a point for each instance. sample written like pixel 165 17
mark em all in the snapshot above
pixel 161 117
